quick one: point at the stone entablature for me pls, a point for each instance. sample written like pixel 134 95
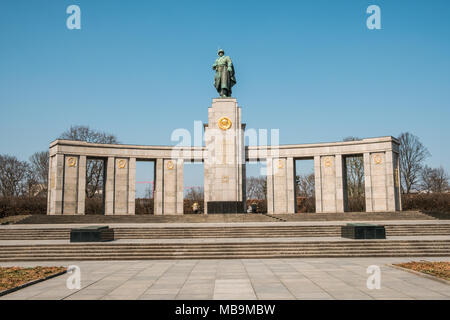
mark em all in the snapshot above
pixel 225 175
pixel 311 150
pixel 371 145
pixel 93 150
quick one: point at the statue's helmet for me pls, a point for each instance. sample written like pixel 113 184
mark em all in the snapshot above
pixel 219 51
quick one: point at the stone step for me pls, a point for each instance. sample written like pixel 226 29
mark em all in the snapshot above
pixel 220 253
pixel 198 257
pixel 222 232
pixel 218 232
pixel 239 244
pixel 408 215
pixel 197 246
pixel 218 249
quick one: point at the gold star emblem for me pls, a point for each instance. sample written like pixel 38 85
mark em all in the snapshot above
pixel 224 123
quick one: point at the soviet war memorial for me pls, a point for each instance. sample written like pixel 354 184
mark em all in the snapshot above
pixel 224 157
pixel 282 155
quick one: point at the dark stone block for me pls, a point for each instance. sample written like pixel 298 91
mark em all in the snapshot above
pixel 91 234
pixel 225 207
pixel 363 231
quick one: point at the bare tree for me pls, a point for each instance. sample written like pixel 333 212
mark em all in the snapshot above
pixel 256 188
pixel 355 173
pixel 434 180
pixel 194 194
pixel 14 176
pixel 39 169
pixel 305 185
pixel 355 176
pixel 148 193
pixel 84 133
pixel 94 167
pixel 412 155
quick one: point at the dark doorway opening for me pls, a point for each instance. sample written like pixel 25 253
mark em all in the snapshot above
pixel 194 192
pixel 145 187
pixel 354 184
pixel 256 187
pixel 305 197
pixel 95 186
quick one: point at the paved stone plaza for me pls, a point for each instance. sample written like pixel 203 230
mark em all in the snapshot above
pixel 306 278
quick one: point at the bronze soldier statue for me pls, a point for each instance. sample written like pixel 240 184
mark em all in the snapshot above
pixel 224 79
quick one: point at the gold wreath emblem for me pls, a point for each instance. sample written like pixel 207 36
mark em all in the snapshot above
pixel 225 179
pixel 224 123
pixel 121 164
pixel 377 159
pixel 280 164
pixel 169 165
pixel 328 162
pixel 72 162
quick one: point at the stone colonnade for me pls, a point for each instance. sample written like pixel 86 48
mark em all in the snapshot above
pixel 381 174
pixel 67 175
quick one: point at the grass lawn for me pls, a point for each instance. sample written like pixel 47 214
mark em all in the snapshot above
pixel 438 269
pixel 11 277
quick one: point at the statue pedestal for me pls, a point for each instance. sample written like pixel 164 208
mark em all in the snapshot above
pixel 225 164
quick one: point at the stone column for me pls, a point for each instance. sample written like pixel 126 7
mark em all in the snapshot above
pixel 367 182
pixel 131 186
pixel 328 183
pixel 180 187
pixel 49 186
pixel 392 186
pixel 398 181
pixel 280 190
pixel 378 183
pixel 121 169
pixel 109 187
pixel 173 187
pixel 226 157
pixel 70 189
pixel 290 182
pixel 340 207
pixel 56 184
pixel 390 181
pixel 81 185
pixel 206 188
pixel 269 171
pixel 243 194
pixel 318 184
pixel 159 181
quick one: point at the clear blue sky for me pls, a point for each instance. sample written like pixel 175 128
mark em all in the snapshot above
pixel 140 69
